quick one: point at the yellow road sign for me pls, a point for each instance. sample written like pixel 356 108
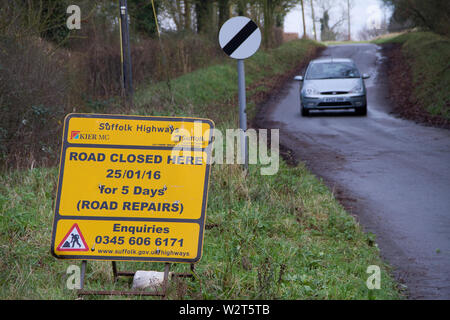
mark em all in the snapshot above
pixel 132 188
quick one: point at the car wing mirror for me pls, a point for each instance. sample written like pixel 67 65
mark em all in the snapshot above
pixel 298 78
pixel 365 76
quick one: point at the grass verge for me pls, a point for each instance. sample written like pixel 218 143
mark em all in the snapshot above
pixel 267 237
pixel 420 77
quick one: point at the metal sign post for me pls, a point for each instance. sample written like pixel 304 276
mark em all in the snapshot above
pixel 242 112
pixel 240 38
pixel 162 292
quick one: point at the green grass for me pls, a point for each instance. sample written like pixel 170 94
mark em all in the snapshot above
pixel 429 57
pixel 268 237
pixel 386 38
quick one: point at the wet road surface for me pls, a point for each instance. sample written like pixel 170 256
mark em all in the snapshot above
pixel 392 174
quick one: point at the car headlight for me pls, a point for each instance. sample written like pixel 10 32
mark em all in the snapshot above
pixel 310 91
pixel 357 89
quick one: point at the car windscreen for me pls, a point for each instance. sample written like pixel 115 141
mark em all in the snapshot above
pixel 332 70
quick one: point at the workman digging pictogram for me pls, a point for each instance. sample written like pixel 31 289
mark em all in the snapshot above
pixel 73 241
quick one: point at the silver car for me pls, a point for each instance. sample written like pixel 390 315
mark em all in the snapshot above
pixel 333 84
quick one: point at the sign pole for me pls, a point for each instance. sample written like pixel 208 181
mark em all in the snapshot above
pixel 239 38
pixel 242 112
pixel 83 273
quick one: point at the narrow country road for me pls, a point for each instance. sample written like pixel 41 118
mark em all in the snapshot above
pixel 392 174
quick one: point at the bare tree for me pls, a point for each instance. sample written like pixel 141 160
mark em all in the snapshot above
pixel 205 19
pixel 433 15
pixel 303 17
pixel 187 15
pixel 313 20
pixel 274 12
pixel 350 5
pixel 331 19
pixel 174 9
pixel 224 11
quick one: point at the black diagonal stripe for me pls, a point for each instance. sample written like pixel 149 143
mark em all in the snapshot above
pixel 240 37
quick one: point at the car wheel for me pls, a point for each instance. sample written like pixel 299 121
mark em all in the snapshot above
pixel 361 111
pixel 305 112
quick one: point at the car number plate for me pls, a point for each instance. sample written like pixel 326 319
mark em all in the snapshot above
pixel 333 99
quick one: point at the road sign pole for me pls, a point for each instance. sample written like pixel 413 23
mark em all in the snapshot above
pixel 242 112
pixel 239 38
pixel 83 273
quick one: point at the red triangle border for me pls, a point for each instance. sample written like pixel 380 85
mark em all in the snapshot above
pixel 75 226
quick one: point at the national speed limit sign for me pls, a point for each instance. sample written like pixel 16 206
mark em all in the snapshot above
pixel 239 37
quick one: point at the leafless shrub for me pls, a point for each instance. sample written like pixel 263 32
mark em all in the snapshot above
pixel 33 91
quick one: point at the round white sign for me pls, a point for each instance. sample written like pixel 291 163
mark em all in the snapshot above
pixel 239 37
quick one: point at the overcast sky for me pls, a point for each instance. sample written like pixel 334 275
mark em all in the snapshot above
pixel 364 12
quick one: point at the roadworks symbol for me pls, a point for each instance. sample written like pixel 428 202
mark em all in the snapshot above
pixel 73 241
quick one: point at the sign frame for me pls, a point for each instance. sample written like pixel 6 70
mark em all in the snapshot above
pixel 75 219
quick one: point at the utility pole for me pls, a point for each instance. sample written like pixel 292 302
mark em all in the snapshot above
pixel 303 16
pixel 314 20
pixel 125 54
pixel 348 19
